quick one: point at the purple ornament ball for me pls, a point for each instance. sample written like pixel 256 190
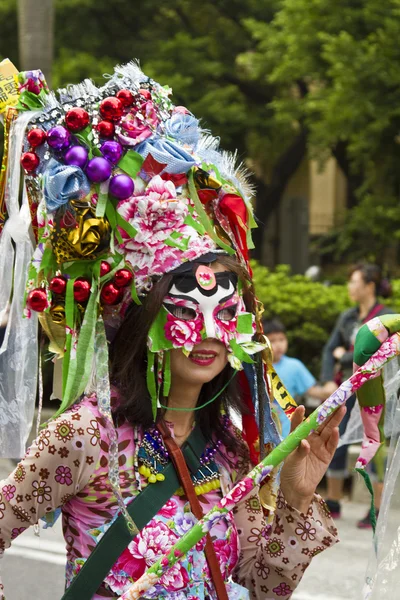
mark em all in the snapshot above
pixel 98 169
pixel 121 187
pixel 58 137
pixel 77 156
pixel 112 151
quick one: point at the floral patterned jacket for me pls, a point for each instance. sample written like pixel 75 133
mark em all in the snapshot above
pixel 67 467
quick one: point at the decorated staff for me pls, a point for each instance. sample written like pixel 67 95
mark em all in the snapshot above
pixel 373 348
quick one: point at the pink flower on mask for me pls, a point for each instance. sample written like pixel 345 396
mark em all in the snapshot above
pixel 183 334
pixel 138 125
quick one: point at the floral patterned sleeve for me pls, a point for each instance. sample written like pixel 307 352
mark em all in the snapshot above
pixel 274 557
pixel 56 467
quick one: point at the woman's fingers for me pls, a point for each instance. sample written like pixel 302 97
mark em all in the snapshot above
pixel 333 421
pixel 297 417
pixel 333 440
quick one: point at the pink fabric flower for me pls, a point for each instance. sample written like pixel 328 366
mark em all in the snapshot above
pixel 63 475
pixel 149 545
pixel 9 492
pixel 156 214
pixel 283 589
pixel 169 509
pixel 227 552
pixel 238 492
pixel 184 334
pixel 138 125
pixel 373 410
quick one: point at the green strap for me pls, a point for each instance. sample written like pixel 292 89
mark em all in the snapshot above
pixel 142 509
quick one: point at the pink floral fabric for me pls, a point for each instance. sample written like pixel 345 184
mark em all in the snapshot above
pixel 67 467
pixel 157 213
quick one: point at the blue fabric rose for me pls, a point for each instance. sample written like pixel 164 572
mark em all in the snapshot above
pixel 63 183
pixel 184 128
pixel 168 153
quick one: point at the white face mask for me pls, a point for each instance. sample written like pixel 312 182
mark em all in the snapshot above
pixel 208 301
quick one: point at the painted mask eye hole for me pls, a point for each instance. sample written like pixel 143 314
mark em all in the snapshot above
pixel 181 312
pixel 228 313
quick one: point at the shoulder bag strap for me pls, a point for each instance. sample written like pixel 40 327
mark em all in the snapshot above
pixel 142 509
pixel 178 459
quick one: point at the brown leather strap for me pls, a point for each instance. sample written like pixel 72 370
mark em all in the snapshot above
pixel 183 472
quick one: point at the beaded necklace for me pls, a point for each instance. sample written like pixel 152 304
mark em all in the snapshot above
pixel 153 457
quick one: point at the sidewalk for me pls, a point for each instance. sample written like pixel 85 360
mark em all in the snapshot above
pixel 338 573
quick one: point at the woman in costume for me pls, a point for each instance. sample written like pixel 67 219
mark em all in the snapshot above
pixel 143 229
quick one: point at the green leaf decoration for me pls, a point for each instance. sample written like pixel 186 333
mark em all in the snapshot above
pixel 245 323
pixel 204 219
pixel 156 336
pixel 131 163
pixel 195 224
pixel 240 353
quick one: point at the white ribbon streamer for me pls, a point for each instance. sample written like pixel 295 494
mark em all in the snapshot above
pixel 19 351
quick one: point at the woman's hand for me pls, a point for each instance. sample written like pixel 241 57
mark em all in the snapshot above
pixel 304 468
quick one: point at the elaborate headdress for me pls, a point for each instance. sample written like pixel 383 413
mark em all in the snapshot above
pixel 120 187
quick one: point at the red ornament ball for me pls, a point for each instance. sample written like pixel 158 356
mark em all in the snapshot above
pixel 122 278
pixel 106 129
pixel 111 294
pixel 36 137
pixel 37 300
pixel 30 161
pixel 77 119
pixel 58 284
pixel 111 108
pixel 126 97
pixel 82 289
pixel 105 268
pixel 145 93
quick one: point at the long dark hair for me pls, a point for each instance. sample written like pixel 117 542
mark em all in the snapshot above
pixel 128 354
pixel 373 274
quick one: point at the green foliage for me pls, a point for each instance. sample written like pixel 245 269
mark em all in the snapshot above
pixel 335 66
pixel 307 309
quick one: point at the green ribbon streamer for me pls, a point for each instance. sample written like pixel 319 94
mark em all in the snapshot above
pixel 79 367
pixel 70 323
pixel 167 374
pixel 151 381
pixel 115 219
pixel 134 293
pixel 368 483
pixel 204 219
pixel 101 202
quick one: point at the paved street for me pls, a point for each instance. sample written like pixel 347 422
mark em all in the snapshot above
pixel 34 567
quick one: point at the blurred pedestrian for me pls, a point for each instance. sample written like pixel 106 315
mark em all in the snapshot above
pixel 365 284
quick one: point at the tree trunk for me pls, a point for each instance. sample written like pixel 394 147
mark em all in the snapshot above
pixel 354 179
pixel 269 196
pixel 35 35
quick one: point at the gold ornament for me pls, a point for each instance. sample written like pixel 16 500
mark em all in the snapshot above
pixel 79 234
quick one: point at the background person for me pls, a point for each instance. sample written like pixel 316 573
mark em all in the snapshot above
pixel 365 284
pixel 293 373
